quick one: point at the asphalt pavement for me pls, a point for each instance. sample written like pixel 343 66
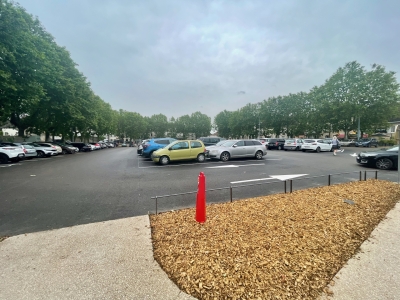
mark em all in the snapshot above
pixel 79 226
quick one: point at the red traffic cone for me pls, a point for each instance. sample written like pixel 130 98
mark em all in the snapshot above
pixel 201 199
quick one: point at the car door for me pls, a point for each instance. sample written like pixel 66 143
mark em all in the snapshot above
pixel 238 149
pixel 250 148
pixel 325 145
pixel 179 150
pixel 195 149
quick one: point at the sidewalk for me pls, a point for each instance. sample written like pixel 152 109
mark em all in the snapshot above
pixel 114 260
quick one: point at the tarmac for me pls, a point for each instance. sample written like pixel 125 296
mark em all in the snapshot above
pixel 114 260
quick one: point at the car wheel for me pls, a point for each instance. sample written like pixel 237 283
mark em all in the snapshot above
pixel 64 151
pixel 225 156
pixel 40 154
pixel 285 149
pixel 279 147
pixel 318 150
pixel 303 150
pixel 376 146
pixel 259 155
pixel 164 160
pixel 3 159
pixel 201 157
pixel 384 164
pixel 297 149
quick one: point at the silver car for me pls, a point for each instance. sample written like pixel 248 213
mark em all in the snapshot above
pixel 293 144
pixel 43 151
pixel 237 149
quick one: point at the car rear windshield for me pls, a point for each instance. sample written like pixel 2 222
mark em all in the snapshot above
pixel 309 141
pixel 290 141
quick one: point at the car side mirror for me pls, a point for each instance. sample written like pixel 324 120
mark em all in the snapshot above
pixel 234 146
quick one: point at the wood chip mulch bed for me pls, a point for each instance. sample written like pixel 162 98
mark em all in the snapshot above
pixel 284 246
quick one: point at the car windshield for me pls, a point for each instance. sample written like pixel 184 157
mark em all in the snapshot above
pixel 394 149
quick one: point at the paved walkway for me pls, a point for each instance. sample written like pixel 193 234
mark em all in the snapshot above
pixel 114 260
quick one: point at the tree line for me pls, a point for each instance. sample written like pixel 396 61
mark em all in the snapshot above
pixel 42 91
pixel 352 94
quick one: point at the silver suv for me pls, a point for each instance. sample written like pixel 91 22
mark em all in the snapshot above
pixel 237 149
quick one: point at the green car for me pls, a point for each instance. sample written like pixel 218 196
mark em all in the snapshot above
pixel 180 150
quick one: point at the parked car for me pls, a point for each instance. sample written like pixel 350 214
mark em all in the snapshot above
pixel 275 144
pixel 293 144
pixel 12 153
pixel 103 145
pixel 29 151
pixel 211 140
pixel 96 146
pixel 316 145
pixel 154 144
pixel 43 151
pixel 347 143
pixel 52 145
pixel 124 145
pixel 83 147
pixel 67 149
pixel 180 150
pixel 236 149
pixel 367 143
pixel 140 147
pixel 381 159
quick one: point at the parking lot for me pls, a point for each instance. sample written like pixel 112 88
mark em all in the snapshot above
pixel 109 184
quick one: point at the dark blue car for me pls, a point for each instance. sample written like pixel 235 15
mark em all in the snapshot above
pixel 154 144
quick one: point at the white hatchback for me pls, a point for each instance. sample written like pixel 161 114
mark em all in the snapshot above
pixel 316 145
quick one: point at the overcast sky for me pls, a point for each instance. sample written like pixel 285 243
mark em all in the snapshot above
pixel 181 56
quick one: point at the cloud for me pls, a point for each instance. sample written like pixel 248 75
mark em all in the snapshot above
pixel 178 57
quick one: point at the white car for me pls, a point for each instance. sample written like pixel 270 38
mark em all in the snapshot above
pixel 316 145
pixel 12 153
pixel 57 147
pixel 293 144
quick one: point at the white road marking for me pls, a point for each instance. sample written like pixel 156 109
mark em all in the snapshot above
pixel 233 182
pixel 286 177
pixel 234 166
pixel 280 177
pixel 354 154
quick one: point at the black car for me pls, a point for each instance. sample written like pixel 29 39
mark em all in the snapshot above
pixel 275 143
pixel 367 143
pixel 211 140
pixel 381 159
pixel 66 148
pixel 83 147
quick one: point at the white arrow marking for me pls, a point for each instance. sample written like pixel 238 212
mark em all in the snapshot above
pixel 286 177
pixel 233 182
pixel 354 154
pixel 280 177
